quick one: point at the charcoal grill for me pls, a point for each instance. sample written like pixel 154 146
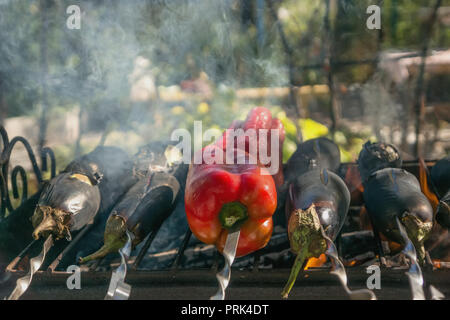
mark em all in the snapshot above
pixel 187 270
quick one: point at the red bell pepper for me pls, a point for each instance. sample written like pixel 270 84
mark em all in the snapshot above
pixel 259 118
pixel 223 197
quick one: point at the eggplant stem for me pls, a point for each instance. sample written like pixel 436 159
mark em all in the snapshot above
pixel 111 245
pixel 102 252
pixel 298 264
pixel 114 239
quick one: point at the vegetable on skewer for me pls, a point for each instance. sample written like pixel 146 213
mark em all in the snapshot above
pixel 147 203
pixel 224 197
pixel 318 202
pixel 72 199
pixel 440 178
pixel 376 156
pixel 390 193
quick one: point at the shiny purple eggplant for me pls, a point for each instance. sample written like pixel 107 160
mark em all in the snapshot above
pixel 317 205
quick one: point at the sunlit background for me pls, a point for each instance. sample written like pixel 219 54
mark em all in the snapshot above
pixel 137 70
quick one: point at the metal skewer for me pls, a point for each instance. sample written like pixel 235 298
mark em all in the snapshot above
pixel 118 289
pixel 229 253
pixel 339 271
pixel 24 282
pixel 436 294
pixel 414 273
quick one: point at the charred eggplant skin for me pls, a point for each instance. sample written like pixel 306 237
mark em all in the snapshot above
pixel 440 176
pixel 147 203
pixel 443 211
pixel 318 203
pixel 377 156
pixel 152 198
pixel 395 193
pixel 74 197
pixel 80 200
pixel 327 191
pixel 323 151
pixel 440 180
pixel 109 167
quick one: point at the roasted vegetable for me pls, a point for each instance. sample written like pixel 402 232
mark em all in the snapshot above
pixel 223 197
pixel 323 151
pixel 395 193
pixel 440 177
pixel 148 202
pixel 72 199
pixel 259 119
pixel 443 211
pixel 376 156
pixel 318 202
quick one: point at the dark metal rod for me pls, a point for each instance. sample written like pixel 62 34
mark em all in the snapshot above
pixel 11 267
pixel 419 95
pixel 145 248
pixel 69 247
pixel 182 248
pixel 256 260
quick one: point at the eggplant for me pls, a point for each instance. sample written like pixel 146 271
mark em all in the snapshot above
pixel 443 211
pixel 318 203
pixel 376 156
pixel 440 178
pixel 393 193
pixel 323 151
pixel 149 202
pixel 72 199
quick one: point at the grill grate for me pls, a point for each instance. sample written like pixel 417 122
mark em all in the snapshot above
pixel 266 268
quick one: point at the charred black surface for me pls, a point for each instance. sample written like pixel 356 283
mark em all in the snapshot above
pixel 321 150
pixel 376 156
pixel 155 207
pixel 440 176
pixel 443 211
pixel 440 179
pixel 395 193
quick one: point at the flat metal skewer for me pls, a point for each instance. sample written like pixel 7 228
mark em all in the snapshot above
pixel 24 282
pixel 118 289
pixel 339 271
pixel 436 294
pixel 414 273
pixel 69 247
pixel 229 253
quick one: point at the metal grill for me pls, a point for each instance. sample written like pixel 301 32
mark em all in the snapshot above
pixel 257 276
